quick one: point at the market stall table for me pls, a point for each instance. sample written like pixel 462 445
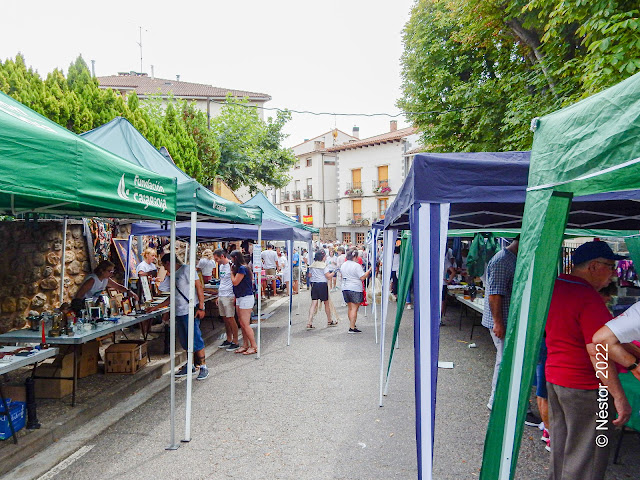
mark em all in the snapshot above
pixel 476 305
pixel 105 328
pixel 15 362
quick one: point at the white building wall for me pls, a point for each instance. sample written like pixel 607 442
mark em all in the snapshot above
pixel 368 159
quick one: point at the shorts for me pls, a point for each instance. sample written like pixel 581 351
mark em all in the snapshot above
pixel 541 380
pixel 296 273
pixel 319 291
pixel 269 271
pixel 206 278
pixel 245 303
pixel 227 306
pixel 352 297
pixel 182 322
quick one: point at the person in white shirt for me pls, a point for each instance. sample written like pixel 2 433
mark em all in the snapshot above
pixel 352 277
pixel 283 266
pixel 226 301
pixel 332 262
pixel 270 264
pixel 319 274
pixel 206 265
pixel 615 339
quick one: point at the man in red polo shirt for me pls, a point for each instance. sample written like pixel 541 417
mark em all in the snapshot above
pixel 578 396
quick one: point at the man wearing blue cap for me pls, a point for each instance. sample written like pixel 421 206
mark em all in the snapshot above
pixel 577 394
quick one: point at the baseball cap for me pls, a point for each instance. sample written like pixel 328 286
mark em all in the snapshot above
pixel 592 250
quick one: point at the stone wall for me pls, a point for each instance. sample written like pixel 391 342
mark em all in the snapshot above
pixel 30 267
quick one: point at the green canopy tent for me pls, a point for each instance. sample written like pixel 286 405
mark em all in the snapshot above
pixel 120 137
pixel 46 169
pixel 591 147
pixel 194 202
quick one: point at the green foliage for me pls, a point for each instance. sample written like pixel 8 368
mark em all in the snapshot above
pixel 250 151
pixel 253 151
pixel 493 65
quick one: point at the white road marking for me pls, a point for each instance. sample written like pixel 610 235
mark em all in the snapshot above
pixel 67 462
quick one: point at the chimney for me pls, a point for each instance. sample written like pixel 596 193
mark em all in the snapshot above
pixel 356 132
pixel 177 78
pixel 93 68
pixel 394 125
pixel 153 76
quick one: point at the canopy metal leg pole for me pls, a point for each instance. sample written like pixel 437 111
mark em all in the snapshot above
pixel 259 293
pixel 290 281
pixel 62 260
pixel 299 276
pixel 126 268
pixel 172 337
pixel 373 290
pixel 190 330
pixel 389 242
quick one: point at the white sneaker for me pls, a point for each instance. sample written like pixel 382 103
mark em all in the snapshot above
pixel 409 306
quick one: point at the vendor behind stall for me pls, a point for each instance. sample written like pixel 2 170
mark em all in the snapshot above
pixel 96 283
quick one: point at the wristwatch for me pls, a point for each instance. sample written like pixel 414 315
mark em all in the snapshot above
pixel 201 309
pixel 633 365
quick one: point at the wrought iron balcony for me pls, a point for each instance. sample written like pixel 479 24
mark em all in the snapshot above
pixel 381 187
pixel 286 196
pixel 308 193
pixel 296 195
pixel 354 189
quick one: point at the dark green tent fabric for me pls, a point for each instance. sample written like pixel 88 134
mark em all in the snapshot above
pixel 270 212
pixel 120 137
pixel 47 169
pixel 481 251
pixel 405 274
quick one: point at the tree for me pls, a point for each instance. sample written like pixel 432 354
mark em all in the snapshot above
pixel 475 73
pixel 250 149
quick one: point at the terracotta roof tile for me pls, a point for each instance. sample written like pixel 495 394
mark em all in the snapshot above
pixel 145 85
pixel 383 138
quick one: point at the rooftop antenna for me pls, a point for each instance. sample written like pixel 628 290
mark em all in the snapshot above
pixel 140 44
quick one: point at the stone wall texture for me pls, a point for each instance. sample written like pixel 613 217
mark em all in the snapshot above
pixel 30 267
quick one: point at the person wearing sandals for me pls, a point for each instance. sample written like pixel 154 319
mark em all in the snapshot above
pixel 183 284
pixel 241 278
pixel 319 273
pixel 352 277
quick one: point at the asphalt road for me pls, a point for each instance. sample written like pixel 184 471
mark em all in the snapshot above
pixel 310 411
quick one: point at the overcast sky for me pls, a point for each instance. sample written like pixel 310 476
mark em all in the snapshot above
pixel 322 56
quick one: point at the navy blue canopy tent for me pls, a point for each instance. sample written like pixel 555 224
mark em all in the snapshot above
pixel 271 230
pixel 467 191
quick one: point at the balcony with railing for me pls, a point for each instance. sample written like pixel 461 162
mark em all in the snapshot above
pixel 354 189
pixel 286 196
pixel 296 195
pixel 381 187
pixel 308 192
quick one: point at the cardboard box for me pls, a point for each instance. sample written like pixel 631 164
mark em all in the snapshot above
pixel 88 356
pixel 52 387
pixel 55 387
pixel 15 391
pixel 126 357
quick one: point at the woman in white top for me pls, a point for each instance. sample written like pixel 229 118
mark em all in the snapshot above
pixel 352 277
pixel 206 265
pixel 147 268
pixel 319 274
pixel 97 282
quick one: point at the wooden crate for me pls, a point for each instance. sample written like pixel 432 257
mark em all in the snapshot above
pixel 127 357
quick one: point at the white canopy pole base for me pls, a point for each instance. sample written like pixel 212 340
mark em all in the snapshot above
pixel 172 338
pixel 192 277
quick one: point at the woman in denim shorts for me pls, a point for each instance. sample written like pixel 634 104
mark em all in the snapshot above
pixel 352 277
pixel 242 280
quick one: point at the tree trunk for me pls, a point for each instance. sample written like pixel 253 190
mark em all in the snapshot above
pixel 531 40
